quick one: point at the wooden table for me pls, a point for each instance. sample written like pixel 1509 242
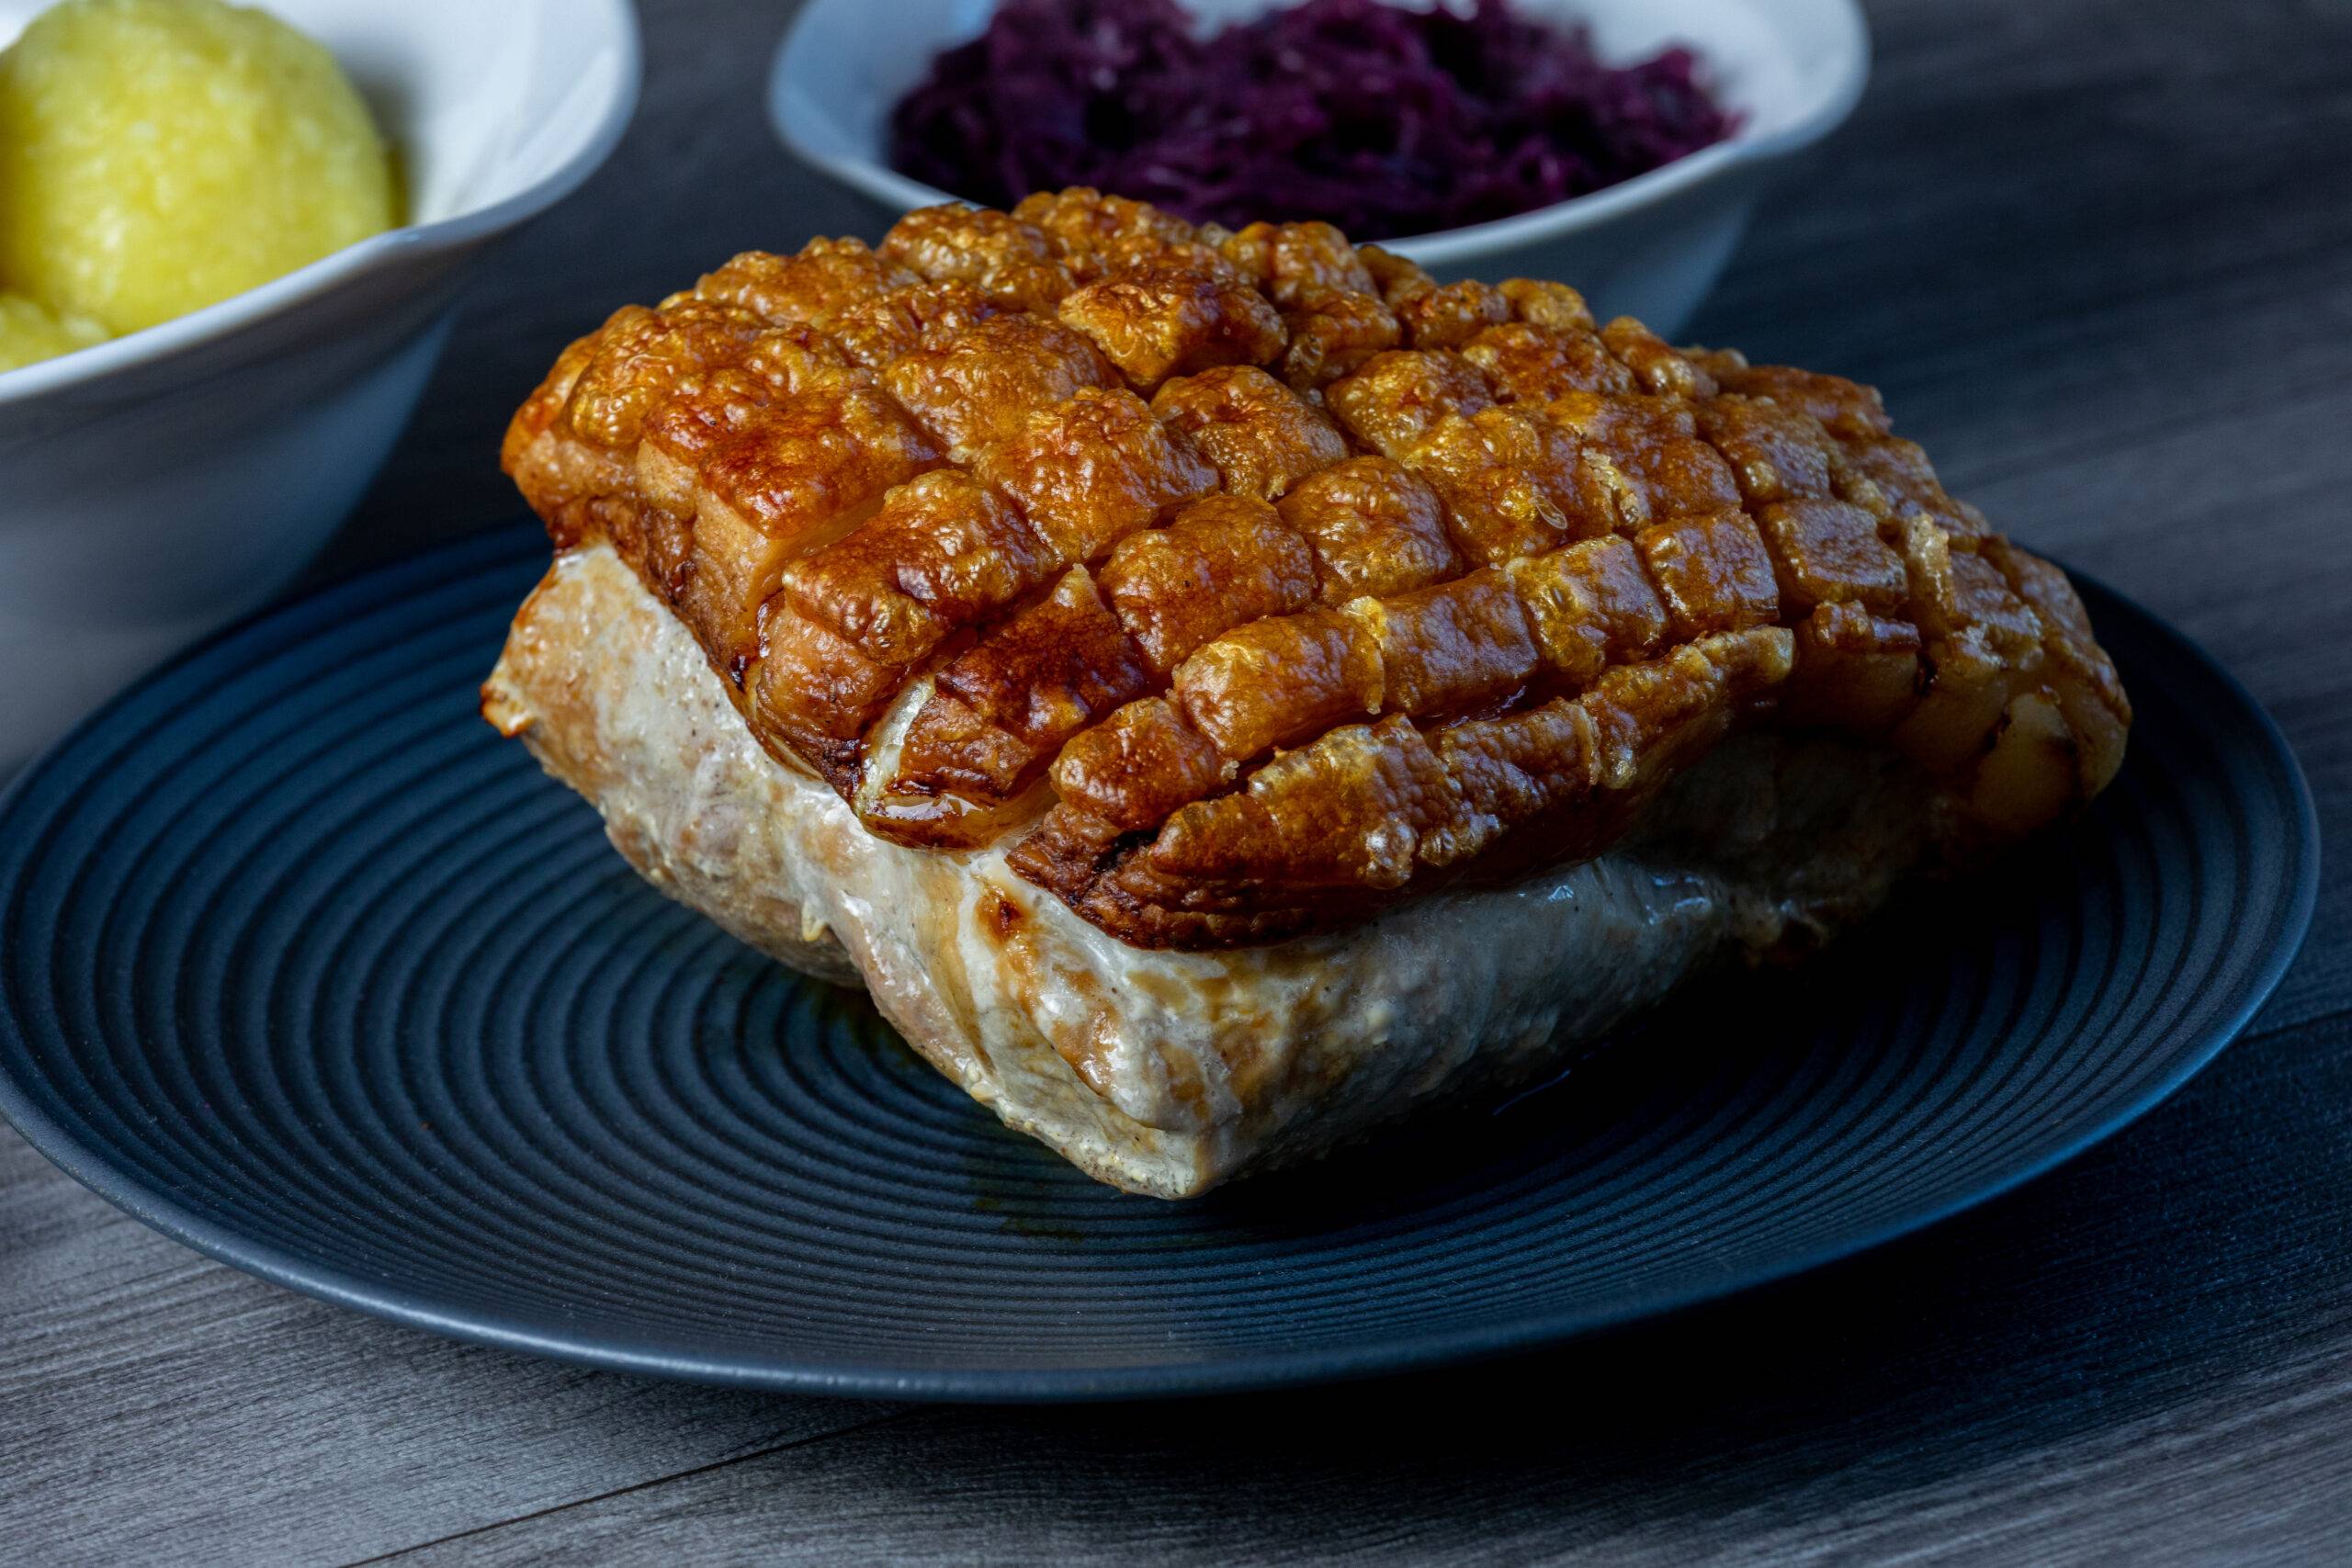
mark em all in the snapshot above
pixel 2098 253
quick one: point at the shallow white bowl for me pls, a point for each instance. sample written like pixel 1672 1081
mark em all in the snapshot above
pixel 156 486
pixel 1651 247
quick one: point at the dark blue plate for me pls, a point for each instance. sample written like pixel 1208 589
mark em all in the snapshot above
pixel 302 965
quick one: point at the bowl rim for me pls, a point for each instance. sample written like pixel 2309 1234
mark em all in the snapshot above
pixel 339 268
pixel 1849 46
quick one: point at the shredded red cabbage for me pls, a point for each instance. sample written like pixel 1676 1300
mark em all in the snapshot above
pixel 1383 120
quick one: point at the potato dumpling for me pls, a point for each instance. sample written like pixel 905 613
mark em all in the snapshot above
pixel 157 155
pixel 30 330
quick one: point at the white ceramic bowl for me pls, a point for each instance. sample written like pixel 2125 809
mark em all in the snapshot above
pixel 156 486
pixel 1651 247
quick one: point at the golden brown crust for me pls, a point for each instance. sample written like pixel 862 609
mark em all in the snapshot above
pixel 973 389
pixel 1375 527
pixel 1530 364
pixel 1001 709
pixel 944 552
pixel 1333 331
pixel 1092 469
pixel 1397 397
pixel 1251 581
pixel 1260 436
pixel 1222 562
pixel 1172 318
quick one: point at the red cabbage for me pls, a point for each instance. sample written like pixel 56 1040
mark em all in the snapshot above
pixel 1383 120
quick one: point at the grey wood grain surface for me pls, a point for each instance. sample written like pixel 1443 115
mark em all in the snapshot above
pixel 2098 253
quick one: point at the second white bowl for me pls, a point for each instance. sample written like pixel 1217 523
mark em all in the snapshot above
pixel 1651 247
